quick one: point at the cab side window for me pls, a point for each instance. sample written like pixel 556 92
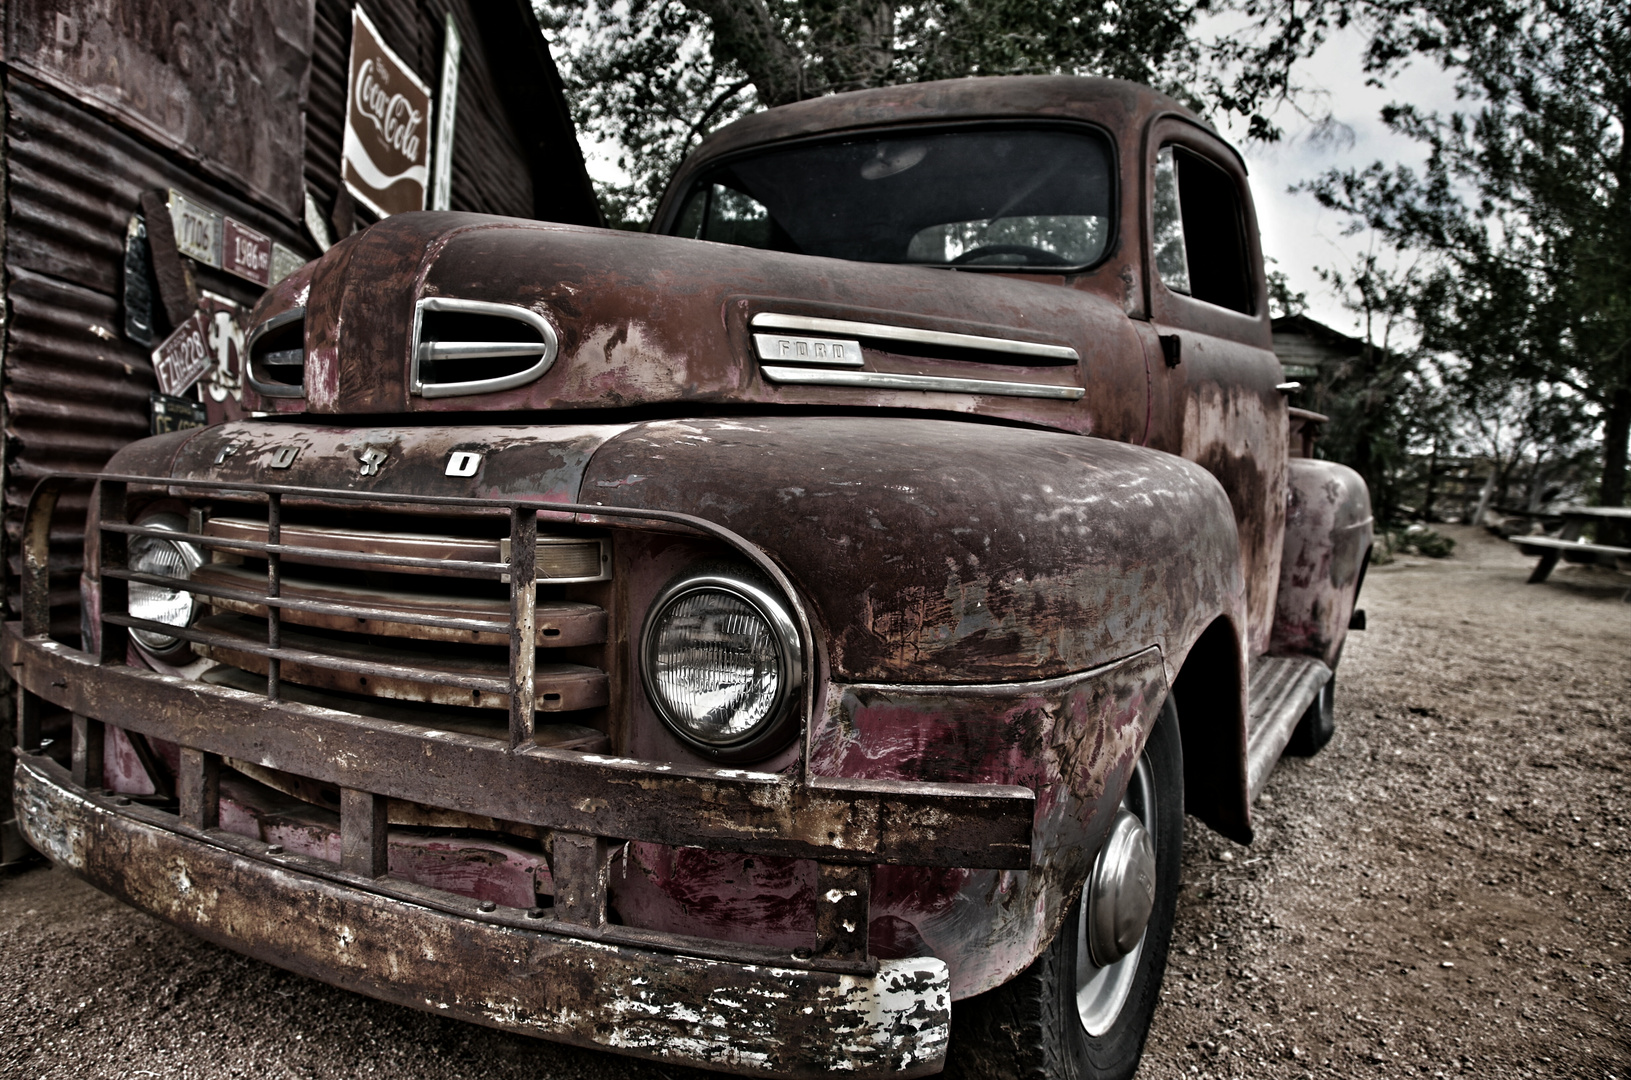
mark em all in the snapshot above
pixel 1200 232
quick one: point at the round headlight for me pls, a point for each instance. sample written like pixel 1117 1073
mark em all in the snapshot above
pixel 158 603
pixel 721 662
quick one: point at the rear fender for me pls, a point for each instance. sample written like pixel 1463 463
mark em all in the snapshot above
pixel 1328 532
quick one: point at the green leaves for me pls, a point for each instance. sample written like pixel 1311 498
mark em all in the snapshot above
pixel 1522 215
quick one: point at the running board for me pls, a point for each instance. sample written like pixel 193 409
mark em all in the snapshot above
pixel 1282 688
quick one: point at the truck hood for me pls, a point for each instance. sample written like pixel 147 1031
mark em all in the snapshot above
pixel 645 320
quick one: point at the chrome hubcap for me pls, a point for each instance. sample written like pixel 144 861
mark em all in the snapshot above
pixel 1121 892
pixel 1116 906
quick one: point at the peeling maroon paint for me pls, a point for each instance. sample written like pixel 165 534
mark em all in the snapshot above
pixel 1328 536
pixel 940 552
pixel 1073 740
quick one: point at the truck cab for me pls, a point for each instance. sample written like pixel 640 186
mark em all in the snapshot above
pixel 787 641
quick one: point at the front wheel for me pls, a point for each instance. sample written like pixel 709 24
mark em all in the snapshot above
pixel 1082 1010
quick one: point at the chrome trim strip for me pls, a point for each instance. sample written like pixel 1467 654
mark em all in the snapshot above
pixel 945 339
pixel 273 390
pixel 464 349
pixel 878 380
pixel 476 350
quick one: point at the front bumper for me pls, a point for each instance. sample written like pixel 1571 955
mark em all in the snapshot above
pixel 565 974
pixel 304 915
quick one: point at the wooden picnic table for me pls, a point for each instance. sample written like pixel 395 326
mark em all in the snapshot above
pixel 1567 544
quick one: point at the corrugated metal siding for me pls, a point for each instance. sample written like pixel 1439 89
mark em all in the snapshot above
pixel 171 70
pixel 325 99
pixel 75 389
pixel 74 181
pixel 491 173
pixel 75 392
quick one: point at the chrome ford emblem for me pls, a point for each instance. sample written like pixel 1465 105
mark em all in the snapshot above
pixel 372 458
pixel 284 456
pixel 801 349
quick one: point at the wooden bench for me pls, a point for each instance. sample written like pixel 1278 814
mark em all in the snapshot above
pixel 1571 548
pixel 1551 549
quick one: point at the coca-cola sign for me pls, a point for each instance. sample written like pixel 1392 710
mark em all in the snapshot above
pixel 386 162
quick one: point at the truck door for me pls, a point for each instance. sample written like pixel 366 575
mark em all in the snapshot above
pixel 1215 382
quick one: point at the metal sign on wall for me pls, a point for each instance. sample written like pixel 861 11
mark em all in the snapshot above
pixel 210 81
pixel 182 358
pixel 210 237
pixel 386 157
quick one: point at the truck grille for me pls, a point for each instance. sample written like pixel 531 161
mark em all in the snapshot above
pixel 414 613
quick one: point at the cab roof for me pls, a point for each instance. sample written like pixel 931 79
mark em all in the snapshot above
pixel 1122 106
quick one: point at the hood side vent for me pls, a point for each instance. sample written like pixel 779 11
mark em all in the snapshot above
pixel 475 347
pixel 277 355
pixel 836 358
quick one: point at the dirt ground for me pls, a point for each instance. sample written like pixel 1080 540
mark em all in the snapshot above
pixel 1443 891
pixel 1446 888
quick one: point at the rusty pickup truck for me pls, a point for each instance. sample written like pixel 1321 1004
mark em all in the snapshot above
pixel 787 641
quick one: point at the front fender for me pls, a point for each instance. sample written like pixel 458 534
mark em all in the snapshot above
pixel 938 551
pixel 999 605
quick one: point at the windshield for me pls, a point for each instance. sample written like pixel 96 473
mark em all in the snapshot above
pixel 1028 197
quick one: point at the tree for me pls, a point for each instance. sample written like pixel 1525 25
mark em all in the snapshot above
pixel 1382 403
pixel 1523 210
pixel 653 77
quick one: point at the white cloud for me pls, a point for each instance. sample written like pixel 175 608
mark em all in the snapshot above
pixel 1297 232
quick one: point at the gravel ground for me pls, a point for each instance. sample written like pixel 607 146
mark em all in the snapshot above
pixel 1442 891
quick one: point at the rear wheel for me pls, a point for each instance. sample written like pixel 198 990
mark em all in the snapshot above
pixel 1318 723
pixel 1082 1010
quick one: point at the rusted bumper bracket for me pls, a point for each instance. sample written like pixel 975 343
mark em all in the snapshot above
pixel 742 1018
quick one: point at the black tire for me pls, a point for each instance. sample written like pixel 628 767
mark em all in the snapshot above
pixel 1029 1028
pixel 1318 723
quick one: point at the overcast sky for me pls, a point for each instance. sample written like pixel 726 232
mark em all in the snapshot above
pixel 1297 232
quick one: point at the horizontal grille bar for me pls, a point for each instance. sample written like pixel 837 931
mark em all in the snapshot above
pixel 299 552
pixel 557 687
pixel 237 644
pixel 324 538
pixel 560 558
pixel 260 600
pixel 558 623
